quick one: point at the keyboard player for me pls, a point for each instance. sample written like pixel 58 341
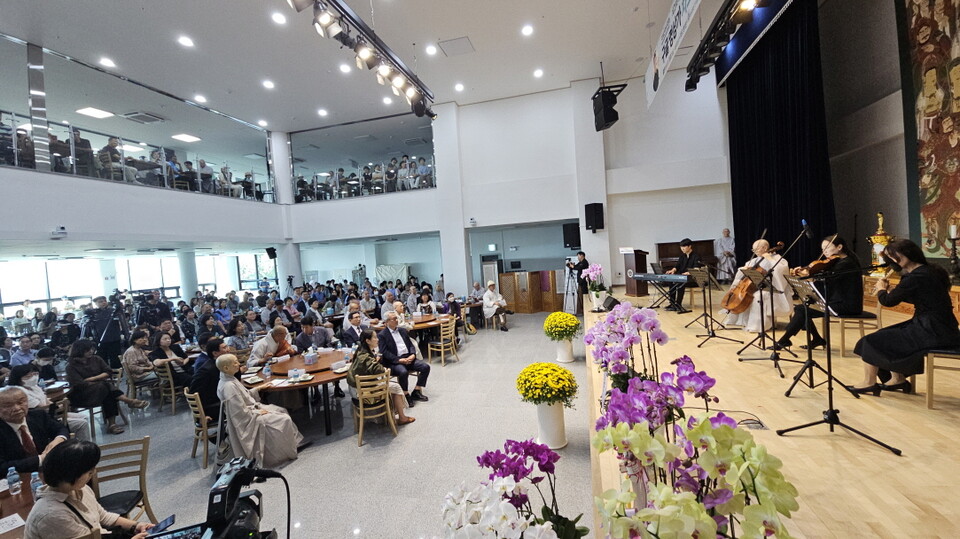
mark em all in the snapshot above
pixel 688 259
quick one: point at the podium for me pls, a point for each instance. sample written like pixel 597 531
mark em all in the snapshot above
pixel 635 261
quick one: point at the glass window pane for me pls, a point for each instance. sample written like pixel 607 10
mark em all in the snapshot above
pixel 145 273
pixel 171 271
pixel 23 279
pixel 206 274
pixel 248 267
pixel 123 274
pixel 73 277
pixel 266 267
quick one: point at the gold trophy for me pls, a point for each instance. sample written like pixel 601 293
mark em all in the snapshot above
pixel 879 240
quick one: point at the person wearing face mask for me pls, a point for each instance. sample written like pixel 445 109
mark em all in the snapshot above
pixel 894 353
pixel 27 378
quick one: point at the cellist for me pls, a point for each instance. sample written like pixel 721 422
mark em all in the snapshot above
pixel 764 259
pixel 844 292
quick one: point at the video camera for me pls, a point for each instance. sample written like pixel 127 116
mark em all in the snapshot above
pixel 232 513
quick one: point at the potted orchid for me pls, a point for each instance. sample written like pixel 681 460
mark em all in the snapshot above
pixel 598 291
pixel 624 344
pixel 502 506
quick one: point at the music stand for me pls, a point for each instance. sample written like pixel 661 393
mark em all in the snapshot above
pixel 811 297
pixel 758 279
pixel 831 416
pixel 703 277
pixel 775 354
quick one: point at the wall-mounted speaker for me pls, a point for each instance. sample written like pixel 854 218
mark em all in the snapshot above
pixel 571 235
pixel 271 253
pixel 593 216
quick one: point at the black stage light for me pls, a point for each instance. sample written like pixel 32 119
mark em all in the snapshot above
pixel 300 5
pixel 691 84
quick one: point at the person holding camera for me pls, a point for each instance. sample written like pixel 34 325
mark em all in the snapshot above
pixel 578 267
pixel 103 328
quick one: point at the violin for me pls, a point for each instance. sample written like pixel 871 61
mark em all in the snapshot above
pixel 739 298
pixel 819 265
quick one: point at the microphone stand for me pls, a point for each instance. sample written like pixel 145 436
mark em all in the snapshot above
pixel 831 416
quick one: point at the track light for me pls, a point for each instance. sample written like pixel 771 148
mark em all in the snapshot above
pixel 300 5
pixel 691 85
pixel 714 51
pixel 703 71
pixel 742 15
pixel 325 22
pixel 398 81
pixel 366 57
pixel 411 94
pixel 383 73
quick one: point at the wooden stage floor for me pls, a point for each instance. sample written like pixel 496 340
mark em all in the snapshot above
pixel 849 487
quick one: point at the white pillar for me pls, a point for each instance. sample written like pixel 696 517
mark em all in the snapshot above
pixel 454 252
pixel 108 272
pixel 591 173
pixel 370 261
pixel 288 263
pixel 188 274
pixel 281 166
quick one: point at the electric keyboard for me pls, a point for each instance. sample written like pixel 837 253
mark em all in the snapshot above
pixel 661 277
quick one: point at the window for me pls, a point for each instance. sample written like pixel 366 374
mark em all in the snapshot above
pixel 253 268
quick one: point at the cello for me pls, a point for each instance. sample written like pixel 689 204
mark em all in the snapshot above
pixel 739 298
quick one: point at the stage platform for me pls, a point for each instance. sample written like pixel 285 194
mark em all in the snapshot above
pixel 849 487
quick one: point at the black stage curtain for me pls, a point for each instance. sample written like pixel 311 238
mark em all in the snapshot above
pixel 779 166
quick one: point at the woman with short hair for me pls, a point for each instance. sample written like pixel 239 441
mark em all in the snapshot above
pixel 91 384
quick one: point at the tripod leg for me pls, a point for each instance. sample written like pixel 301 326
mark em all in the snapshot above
pixel 781 432
pixel 807 367
pixel 890 448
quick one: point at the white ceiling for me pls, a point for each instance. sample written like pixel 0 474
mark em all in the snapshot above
pixel 237 46
pixel 46 249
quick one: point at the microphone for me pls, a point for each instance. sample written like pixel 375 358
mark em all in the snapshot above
pixel 806 229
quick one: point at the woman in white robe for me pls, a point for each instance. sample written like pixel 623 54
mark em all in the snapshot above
pixel 257 431
pixel 750 319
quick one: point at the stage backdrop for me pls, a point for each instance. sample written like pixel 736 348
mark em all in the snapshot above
pixel 930 67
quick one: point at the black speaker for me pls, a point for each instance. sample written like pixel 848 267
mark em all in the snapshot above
pixel 271 253
pixel 571 235
pixel 603 114
pixel 593 216
pixel 610 303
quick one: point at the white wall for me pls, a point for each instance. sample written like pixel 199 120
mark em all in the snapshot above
pixel 422 255
pixel 335 261
pixel 387 215
pixel 538 247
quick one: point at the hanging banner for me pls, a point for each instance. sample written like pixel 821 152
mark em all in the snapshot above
pixel 675 27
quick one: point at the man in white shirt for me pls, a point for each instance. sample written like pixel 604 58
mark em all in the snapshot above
pixel 206 176
pixel 388 299
pixel 367 303
pixel 272 344
pixel 350 334
pixel 495 305
pixel 266 312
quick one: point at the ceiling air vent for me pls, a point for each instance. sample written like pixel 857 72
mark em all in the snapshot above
pixel 365 138
pixel 143 117
pixel 415 141
pixel 456 47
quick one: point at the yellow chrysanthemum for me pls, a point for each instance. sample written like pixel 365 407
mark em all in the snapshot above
pixel 547 383
pixel 560 326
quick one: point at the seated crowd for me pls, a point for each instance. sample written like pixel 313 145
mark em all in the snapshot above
pixel 403 175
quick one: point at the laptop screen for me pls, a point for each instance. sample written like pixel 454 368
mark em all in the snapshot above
pixel 190 532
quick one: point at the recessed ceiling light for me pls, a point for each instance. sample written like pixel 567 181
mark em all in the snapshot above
pixel 322 112
pixel 387 101
pixel 94 113
pixel 431 50
pixel 458 87
pixel 538 73
pixel 262 123
pixel 25 127
pixel 344 68
pixel 527 30
pixel 106 62
pixel 185 41
pixel 199 98
pixel 268 84
pixel 66 122
pixel 279 18
pixel 131 148
pixel 186 138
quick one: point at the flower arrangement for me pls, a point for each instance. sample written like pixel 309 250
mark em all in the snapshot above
pixel 501 505
pixel 594 277
pixel 547 383
pixel 696 477
pixel 615 338
pixel 561 326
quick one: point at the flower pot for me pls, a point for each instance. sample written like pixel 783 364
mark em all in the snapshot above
pixel 550 422
pixel 565 351
pixel 598 298
pixel 638 480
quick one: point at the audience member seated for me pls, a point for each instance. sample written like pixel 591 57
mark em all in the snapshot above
pixel 27 378
pixel 426 305
pixel 253 324
pixel 352 328
pixel 398 353
pixel 66 508
pixel 312 335
pixel 206 377
pixel 26 436
pixel 333 304
pixel 267 312
pixel 209 324
pixel 92 385
pixel 257 431
pixel 404 318
pixel 388 300
pixel 189 175
pixel 495 305
pixel 237 338
pixel 165 352
pixel 206 177
pixel 367 303
pixel 110 158
pixel 171 329
pixel 135 360
pixel 354 307
pixel 6 352
pixel 366 362
pixel 24 354
pixel 273 344
pixel 66 334
pixel 44 362
pixel 424 174
pixel 222 313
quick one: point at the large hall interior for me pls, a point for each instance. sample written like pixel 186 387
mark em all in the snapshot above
pixel 562 198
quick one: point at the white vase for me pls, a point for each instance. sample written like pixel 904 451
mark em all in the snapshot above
pixel 565 351
pixel 597 298
pixel 550 423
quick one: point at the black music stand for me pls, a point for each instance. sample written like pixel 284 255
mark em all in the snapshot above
pixel 703 279
pixel 775 354
pixel 831 416
pixel 759 281
pixel 811 297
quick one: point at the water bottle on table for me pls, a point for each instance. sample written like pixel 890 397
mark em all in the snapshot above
pixel 13 481
pixel 35 484
pixel 267 372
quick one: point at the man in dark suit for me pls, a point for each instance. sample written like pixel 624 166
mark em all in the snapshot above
pixel 26 436
pixel 398 354
pixel 350 334
pixel 688 259
pixel 207 376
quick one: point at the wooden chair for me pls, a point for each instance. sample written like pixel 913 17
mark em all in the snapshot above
pixel 59 410
pixel 864 320
pixel 168 387
pixel 931 366
pixel 134 387
pixel 372 401
pixel 124 460
pixel 447 342
pixel 201 429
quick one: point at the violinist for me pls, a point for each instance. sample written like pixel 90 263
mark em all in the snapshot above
pixel 765 259
pixel 896 352
pixel 844 293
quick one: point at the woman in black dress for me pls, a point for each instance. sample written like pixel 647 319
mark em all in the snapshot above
pixel 898 351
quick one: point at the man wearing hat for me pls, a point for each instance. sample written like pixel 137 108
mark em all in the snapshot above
pixel 494 305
